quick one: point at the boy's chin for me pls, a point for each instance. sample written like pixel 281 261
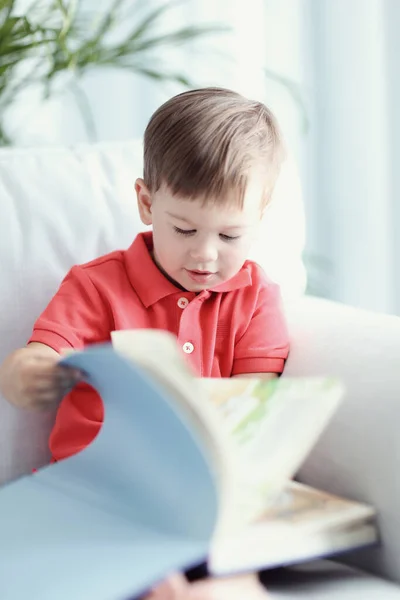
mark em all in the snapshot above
pixel 186 285
pixel 190 282
pixel 194 287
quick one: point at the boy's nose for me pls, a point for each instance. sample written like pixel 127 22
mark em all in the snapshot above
pixel 204 253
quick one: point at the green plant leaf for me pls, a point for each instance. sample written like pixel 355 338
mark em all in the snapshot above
pixel 148 22
pixel 5 140
pixel 68 16
pixel 85 109
pixel 294 90
pixel 6 8
pixel 134 45
pixel 107 22
pixel 56 36
pixel 158 75
pixel 4 67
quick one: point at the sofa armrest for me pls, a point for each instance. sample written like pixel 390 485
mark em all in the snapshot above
pixel 358 454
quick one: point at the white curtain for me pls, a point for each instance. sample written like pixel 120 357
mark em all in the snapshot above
pixel 352 180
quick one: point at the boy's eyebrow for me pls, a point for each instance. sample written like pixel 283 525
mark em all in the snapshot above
pixel 179 218
pixel 174 216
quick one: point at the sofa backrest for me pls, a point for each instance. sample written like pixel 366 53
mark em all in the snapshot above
pixel 63 206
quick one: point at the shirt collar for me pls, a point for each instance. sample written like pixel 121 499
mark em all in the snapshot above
pixel 242 279
pixel 154 286
pixel 146 278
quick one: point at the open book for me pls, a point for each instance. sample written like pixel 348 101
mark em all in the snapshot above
pixel 183 471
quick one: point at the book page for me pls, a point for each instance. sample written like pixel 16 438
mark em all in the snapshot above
pixel 303 524
pixel 273 425
pixel 258 432
pixel 312 509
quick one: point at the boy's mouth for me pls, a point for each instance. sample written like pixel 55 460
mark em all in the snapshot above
pixel 199 276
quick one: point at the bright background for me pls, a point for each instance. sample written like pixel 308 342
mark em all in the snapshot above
pixel 329 70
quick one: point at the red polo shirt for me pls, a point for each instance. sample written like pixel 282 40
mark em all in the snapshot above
pixel 236 328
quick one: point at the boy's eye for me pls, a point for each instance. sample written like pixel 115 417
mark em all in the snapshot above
pixel 228 238
pixel 184 231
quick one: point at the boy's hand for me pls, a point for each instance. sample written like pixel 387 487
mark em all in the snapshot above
pixel 32 378
pixel 241 587
pixel 174 588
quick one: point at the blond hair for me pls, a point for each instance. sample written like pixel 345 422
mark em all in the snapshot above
pixel 205 143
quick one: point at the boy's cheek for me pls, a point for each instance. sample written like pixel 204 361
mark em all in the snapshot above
pixel 243 248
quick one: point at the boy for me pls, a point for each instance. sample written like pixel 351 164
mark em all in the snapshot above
pixel 211 160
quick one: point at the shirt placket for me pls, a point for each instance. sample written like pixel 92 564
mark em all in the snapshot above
pixel 189 332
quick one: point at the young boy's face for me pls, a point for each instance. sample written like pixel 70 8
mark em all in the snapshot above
pixel 199 246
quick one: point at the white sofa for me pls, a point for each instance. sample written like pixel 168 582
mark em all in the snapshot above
pixel 62 206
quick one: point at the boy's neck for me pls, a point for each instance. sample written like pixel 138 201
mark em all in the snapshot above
pixel 175 283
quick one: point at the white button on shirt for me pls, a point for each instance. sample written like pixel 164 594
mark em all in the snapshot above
pixel 188 348
pixel 183 302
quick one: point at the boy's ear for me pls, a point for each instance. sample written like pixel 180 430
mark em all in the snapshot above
pixel 144 201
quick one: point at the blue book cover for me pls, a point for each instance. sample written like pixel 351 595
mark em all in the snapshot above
pixel 106 524
pixel 182 471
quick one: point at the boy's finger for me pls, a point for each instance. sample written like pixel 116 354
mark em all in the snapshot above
pixel 46 399
pixel 239 587
pixel 173 588
pixel 51 361
pixel 67 374
pixel 43 385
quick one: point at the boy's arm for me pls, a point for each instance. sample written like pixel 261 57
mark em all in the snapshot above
pixel 258 375
pixel 37 347
pixel 263 348
pixel 76 316
pixel 31 377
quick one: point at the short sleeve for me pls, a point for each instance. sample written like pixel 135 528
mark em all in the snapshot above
pixel 76 316
pixel 264 346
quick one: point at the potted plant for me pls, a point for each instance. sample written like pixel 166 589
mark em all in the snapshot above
pixel 55 37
